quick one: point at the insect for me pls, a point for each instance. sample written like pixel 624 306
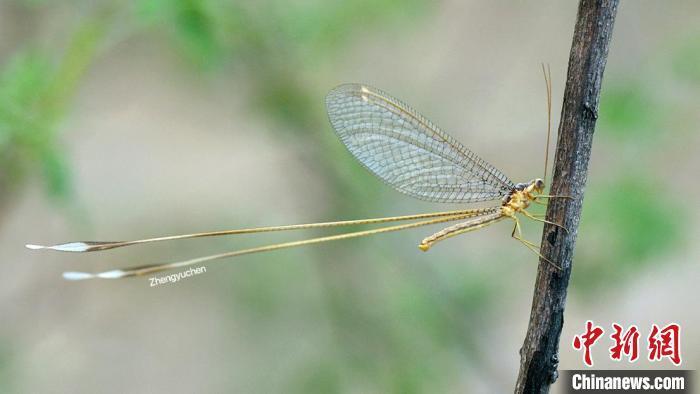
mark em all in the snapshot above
pixel 406 151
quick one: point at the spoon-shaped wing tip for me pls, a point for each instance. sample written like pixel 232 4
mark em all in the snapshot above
pixel 72 275
pixel 114 274
pixel 68 247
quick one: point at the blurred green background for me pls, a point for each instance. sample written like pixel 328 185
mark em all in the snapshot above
pixel 131 119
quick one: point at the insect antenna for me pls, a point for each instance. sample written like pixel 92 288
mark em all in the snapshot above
pixel 548 83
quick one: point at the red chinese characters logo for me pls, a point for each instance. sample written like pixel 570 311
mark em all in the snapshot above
pixel 665 342
pixel 662 342
pixel 627 344
pixel 586 340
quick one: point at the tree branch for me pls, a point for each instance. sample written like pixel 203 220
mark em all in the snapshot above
pixel 589 51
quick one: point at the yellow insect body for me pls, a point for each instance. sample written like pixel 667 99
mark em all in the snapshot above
pixel 517 201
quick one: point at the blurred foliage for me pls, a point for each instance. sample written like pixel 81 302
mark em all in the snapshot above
pixel 627 222
pixel 686 61
pixel 625 226
pixel 628 111
pixel 27 123
pixel 269 30
pixel 196 26
pixel 35 92
pixel 278 44
pixel 6 375
pixel 319 377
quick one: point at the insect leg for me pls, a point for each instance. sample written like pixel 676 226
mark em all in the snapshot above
pixel 531 216
pixel 530 245
pixel 552 196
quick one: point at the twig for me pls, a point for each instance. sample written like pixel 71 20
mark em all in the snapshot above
pixel 589 51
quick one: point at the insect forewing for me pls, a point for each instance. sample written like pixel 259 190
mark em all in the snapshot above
pixel 409 152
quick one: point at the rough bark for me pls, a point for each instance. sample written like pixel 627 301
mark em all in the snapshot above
pixel 589 51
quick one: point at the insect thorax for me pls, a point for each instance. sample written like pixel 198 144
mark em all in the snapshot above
pixel 521 195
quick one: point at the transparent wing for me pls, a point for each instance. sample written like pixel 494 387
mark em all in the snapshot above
pixel 409 152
